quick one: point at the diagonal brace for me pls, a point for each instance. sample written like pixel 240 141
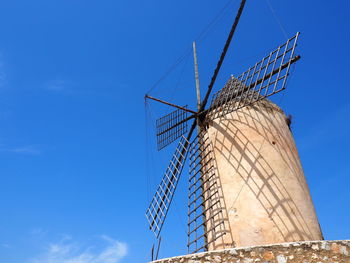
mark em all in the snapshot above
pixel 170 104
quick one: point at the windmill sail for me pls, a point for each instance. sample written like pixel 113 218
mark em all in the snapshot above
pixel 265 78
pixel 171 127
pixel 207 218
pixel 159 206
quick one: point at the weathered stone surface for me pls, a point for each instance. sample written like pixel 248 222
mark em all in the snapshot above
pixel 261 180
pixel 296 252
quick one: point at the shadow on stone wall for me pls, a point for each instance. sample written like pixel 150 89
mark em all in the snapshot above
pixel 255 170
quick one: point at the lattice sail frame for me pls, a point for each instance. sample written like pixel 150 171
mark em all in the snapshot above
pixel 159 206
pixel 170 127
pixel 207 216
pixel 265 78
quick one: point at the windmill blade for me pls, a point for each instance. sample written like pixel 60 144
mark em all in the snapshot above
pixel 159 206
pixel 207 221
pixel 171 127
pixel 266 78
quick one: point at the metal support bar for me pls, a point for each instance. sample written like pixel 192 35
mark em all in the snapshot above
pixel 223 54
pixel 170 104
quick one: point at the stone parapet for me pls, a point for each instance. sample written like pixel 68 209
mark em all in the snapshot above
pixel 294 252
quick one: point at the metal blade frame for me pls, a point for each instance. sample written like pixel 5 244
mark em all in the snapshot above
pixel 206 211
pixel 170 127
pixel 266 78
pixel 160 203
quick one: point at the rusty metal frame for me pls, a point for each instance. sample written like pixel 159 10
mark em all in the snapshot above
pixel 266 78
pixel 159 206
pixel 206 223
pixel 171 127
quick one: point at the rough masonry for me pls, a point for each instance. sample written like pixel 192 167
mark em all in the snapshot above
pixel 295 252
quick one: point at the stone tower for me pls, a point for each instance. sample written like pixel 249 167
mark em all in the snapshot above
pixel 264 191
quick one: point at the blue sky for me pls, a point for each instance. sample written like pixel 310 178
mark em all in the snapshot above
pixel 78 159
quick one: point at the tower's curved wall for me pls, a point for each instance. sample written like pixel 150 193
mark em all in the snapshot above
pixel 265 193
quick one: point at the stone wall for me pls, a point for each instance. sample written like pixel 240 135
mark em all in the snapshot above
pixel 295 252
pixel 266 196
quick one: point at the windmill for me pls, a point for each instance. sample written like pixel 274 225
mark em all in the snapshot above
pixel 246 184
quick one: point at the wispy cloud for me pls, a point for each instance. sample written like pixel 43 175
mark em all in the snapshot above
pixel 30 149
pixel 5 245
pixel 56 85
pixel 38 232
pixel 68 251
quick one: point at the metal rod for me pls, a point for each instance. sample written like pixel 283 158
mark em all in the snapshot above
pixel 170 104
pixel 159 240
pixel 223 54
pixel 198 92
pixel 152 253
